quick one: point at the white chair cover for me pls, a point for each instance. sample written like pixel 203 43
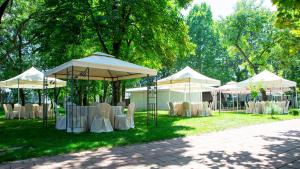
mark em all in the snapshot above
pixel 17 110
pixel 187 109
pixel 8 111
pixel 171 109
pixel 101 123
pixel 125 122
pixel 60 122
pixel 29 111
pixel 286 108
pixel 206 109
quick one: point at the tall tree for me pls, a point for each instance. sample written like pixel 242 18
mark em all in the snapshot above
pixel 210 57
pixel 249 33
pixel 137 31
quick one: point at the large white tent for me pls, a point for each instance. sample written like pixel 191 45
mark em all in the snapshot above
pixel 31 79
pixel 100 66
pixel 268 81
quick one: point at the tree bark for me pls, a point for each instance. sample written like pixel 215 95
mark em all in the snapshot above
pixel 105 86
pixel 3 6
pixel 40 96
pixel 123 90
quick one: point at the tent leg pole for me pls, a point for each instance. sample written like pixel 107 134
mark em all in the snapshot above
pixel 296 101
pixel 19 96
pixel 220 103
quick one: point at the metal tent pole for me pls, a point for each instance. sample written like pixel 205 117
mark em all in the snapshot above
pixel 147 104
pixel 156 101
pixel 220 102
pixel 66 101
pixel 72 98
pixel 19 96
pixel 54 101
pixel 296 102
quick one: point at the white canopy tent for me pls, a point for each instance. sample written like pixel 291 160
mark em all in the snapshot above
pixel 98 66
pixel 231 87
pixel 30 79
pixel 189 79
pixel 101 67
pixel 270 82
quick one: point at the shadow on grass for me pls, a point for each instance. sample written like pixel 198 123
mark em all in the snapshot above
pixel 27 138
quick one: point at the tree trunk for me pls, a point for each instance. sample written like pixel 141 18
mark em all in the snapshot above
pixel 123 90
pixel 40 96
pixel 105 86
pixel 3 6
pixel 22 96
pixel 115 92
pixel 264 96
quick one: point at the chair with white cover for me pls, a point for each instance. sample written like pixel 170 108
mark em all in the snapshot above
pixel 206 109
pixel 123 104
pixel 258 108
pixel 251 107
pixel 200 109
pixel 29 111
pixel 187 110
pixel 60 122
pixel 247 107
pixel 125 121
pixel 286 107
pixel 8 111
pixel 171 109
pixel 194 109
pixel 101 123
pixel 17 110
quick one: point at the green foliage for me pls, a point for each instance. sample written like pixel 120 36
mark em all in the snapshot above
pixel 210 57
pixel 294 112
pixel 288 15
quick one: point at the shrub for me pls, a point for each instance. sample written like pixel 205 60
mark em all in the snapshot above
pixel 294 112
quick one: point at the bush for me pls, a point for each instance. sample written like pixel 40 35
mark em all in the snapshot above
pixel 294 112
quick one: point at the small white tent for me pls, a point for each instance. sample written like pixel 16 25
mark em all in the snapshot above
pixel 189 80
pixel 188 75
pixel 31 79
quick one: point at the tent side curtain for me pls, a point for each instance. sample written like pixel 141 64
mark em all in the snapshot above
pixel 100 68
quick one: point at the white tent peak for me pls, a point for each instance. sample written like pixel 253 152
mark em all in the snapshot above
pixel 189 75
pixel 103 54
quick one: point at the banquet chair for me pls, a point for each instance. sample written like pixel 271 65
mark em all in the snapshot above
pixel 8 111
pixel 29 111
pixel 123 104
pixel 187 109
pixel 206 109
pixel 194 109
pixel 125 121
pixel 200 109
pixel 247 107
pixel 17 110
pixel 60 122
pixel 286 107
pixel 101 123
pixel 258 108
pixel 251 107
pixel 171 109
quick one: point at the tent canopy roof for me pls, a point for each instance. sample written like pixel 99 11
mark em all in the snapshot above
pixel 170 88
pixel 267 80
pixel 101 66
pixel 31 79
pixel 188 75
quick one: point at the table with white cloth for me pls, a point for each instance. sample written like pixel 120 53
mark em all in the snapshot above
pixel 197 109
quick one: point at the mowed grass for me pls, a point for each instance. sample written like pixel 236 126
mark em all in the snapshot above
pixel 27 138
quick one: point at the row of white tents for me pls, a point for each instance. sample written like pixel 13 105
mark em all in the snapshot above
pixel 188 85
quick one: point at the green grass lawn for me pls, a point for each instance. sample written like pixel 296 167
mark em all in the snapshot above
pixel 27 138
